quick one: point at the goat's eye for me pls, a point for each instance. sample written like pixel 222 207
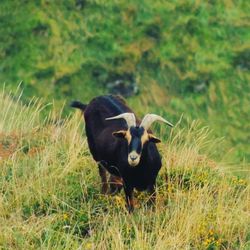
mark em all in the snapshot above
pixel 119 134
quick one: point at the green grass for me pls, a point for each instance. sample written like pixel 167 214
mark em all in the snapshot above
pixel 187 57
pixel 50 190
pixel 190 60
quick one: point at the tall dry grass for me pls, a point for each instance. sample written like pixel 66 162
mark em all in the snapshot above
pixel 50 199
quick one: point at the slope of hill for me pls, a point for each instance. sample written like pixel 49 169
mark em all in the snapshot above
pixel 50 196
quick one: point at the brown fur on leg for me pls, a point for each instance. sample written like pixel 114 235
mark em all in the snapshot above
pixel 103 175
pixel 116 184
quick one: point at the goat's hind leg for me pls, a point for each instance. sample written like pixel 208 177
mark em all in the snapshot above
pixel 115 184
pixel 103 175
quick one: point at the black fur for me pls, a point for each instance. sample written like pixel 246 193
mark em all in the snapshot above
pixel 136 139
pixel 79 105
pixel 113 151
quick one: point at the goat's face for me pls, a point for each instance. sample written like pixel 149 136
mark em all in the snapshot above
pixel 136 138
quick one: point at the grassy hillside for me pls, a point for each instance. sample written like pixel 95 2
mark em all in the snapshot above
pixel 177 57
pixel 186 59
pixel 50 196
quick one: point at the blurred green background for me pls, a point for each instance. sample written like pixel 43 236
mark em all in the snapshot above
pixel 175 58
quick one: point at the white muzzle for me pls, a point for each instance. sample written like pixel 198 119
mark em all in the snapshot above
pixel 133 159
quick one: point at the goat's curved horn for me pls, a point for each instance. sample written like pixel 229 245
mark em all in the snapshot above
pixel 150 118
pixel 128 117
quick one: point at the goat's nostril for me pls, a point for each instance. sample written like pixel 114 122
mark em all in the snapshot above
pixel 133 158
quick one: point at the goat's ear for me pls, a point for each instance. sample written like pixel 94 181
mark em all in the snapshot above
pixel 120 133
pixel 154 139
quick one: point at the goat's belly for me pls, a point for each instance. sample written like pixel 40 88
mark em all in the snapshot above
pixel 141 185
pixel 141 188
pixel 139 178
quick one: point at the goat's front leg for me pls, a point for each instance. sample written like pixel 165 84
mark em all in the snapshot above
pixel 103 175
pixel 129 197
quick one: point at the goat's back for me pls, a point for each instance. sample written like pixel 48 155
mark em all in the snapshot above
pixel 103 107
pixel 98 130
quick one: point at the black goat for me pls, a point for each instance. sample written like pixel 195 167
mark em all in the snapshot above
pixel 120 146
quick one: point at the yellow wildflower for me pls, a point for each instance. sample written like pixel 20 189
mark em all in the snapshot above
pixel 242 182
pixel 211 232
pixel 207 242
pixel 119 200
pixel 65 216
pixel 89 245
